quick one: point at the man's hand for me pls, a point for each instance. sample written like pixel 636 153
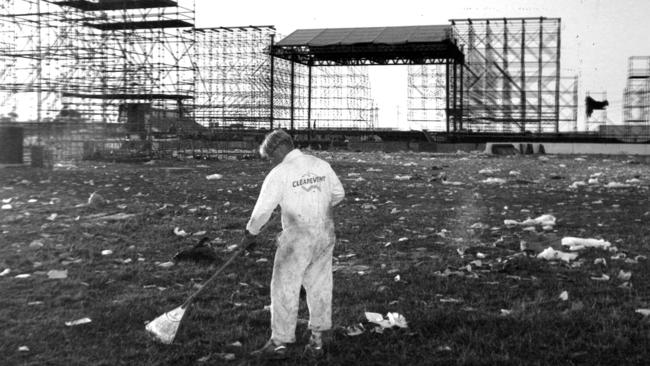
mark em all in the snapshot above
pixel 248 241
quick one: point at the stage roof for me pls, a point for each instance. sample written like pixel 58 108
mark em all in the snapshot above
pixel 427 44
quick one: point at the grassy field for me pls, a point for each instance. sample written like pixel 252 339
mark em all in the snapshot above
pixel 420 234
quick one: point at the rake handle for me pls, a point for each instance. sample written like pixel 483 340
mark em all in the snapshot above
pixel 213 277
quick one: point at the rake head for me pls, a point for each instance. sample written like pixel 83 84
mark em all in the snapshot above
pixel 164 327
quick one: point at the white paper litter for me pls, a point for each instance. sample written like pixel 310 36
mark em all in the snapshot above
pixel 57 274
pixel 581 243
pixel 78 322
pixel 23 275
pixel 391 320
pixel 166 264
pixel 603 277
pixel 577 184
pixel 564 296
pixel 180 232
pixel 107 252
pixel 644 312
pixel 552 254
pixel 402 177
pixel 624 275
pixel 7 207
pixel 214 176
pixel 617 185
pixel 23 349
pixel 494 181
pixel 5 272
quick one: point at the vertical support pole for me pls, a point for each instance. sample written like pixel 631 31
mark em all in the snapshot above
pixel 447 92
pixel 272 84
pixel 541 73
pixel 575 104
pixel 39 71
pixel 523 75
pixel 309 67
pixel 557 79
pixel 454 114
pixel 293 87
pixel 460 114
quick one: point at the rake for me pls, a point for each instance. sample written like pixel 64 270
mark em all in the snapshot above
pixel 164 327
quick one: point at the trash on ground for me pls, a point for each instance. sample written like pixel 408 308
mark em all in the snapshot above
pixel 107 252
pixel 402 177
pixel 7 207
pixel 564 296
pixel 35 244
pixel 78 322
pixel 644 312
pixel 166 264
pixel 96 200
pixel 23 275
pixel 23 349
pixel 391 320
pixel 494 181
pixel 57 274
pixel 114 217
pixel 214 176
pixel 602 277
pixel 624 275
pixel 180 232
pixel 355 330
pixel 582 243
pixel 5 272
pixel 552 254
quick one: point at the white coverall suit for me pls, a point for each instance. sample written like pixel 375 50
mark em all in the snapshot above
pixel 306 188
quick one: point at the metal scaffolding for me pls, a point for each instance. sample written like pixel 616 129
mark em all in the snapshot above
pixel 512 74
pixel 636 95
pixel 88 59
pixel 426 97
pixel 341 98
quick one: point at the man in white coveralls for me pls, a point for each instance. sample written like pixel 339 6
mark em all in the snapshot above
pixel 306 188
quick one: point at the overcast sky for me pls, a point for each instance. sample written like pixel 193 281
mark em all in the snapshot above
pixel 598 36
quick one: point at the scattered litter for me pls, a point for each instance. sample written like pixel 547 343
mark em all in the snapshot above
pixel 644 312
pixel 225 356
pixel 392 320
pixel 200 233
pixel 489 171
pixel 506 312
pixel 402 177
pixel 577 184
pixel 107 252
pixel 236 344
pixel 552 254
pixel 34 303
pixel 603 277
pixel 78 322
pixel 214 176
pixel 582 243
pixel 450 300
pixel 166 264
pixel 617 185
pixel 57 274
pixel 600 261
pixel 115 217
pixel 23 349
pixel 180 232
pixel 36 244
pixel 7 207
pixel 23 275
pixel 5 272
pixel 96 200
pixel 355 330
pixel 564 296
pixel 494 181
pixel 261 260
pixel 624 275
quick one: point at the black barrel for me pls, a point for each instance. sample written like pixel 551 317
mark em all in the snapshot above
pixel 11 145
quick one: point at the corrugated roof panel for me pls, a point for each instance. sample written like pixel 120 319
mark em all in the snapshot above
pixel 300 37
pixel 363 35
pixel 378 35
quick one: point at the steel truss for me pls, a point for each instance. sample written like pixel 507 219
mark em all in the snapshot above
pixel 84 59
pixel 512 74
pixel 636 95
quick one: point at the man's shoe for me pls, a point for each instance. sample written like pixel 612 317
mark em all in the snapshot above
pixel 272 351
pixel 315 346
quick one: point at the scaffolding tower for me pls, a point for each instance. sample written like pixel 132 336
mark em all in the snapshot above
pixel 90 60
pixel 636 95
pixel 426 101
pixel 511 74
